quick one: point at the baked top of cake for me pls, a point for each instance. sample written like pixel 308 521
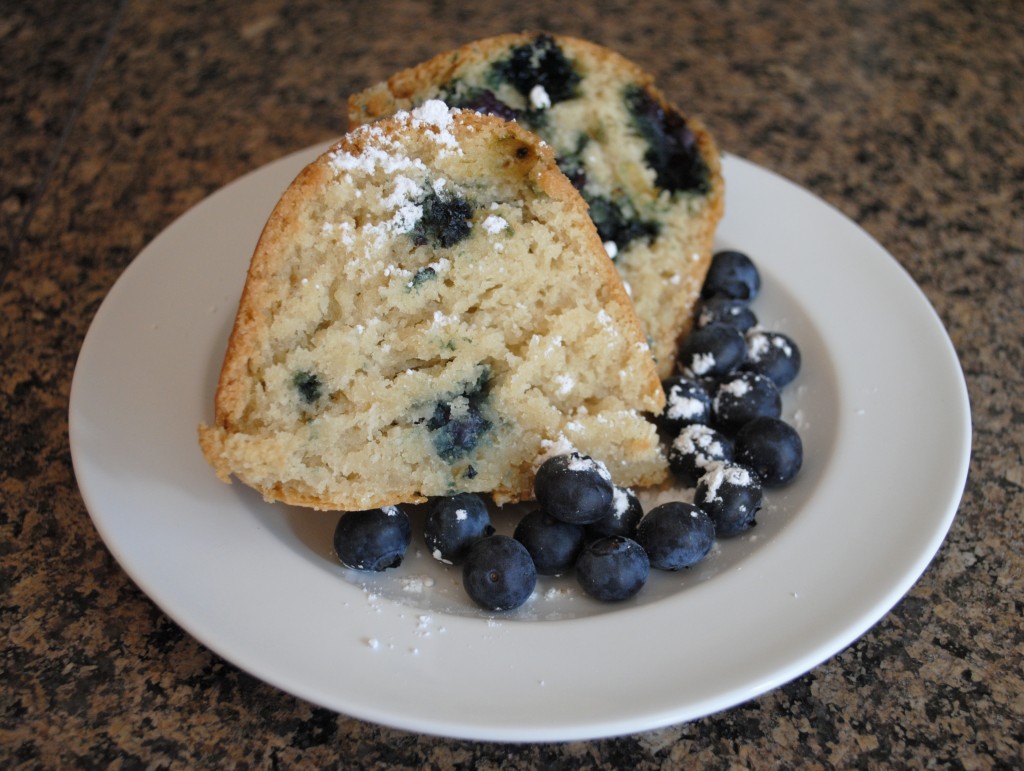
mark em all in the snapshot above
pixel 650 175
pixel 429 310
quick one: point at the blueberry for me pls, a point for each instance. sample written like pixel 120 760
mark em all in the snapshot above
pixel 422 276
pixel 486 102
pixel 772 449
pixel 694 448
pixel 540 63
pixel 731 495
pixel 774 355
pixel 374 539
pixel 732 274
pixel 676 535
pixel 309 386
pixel 616 222
pixel 458 425
pixel 576 173
pixel 623 517
pixel 725 310
pixel 686 402
pixel 671 146
pixel 613 568
pixel 498 573
pixel 574 488
pixel 712 351
pixel 744 396
pixel 571 162
pixel 453 524
pixel 445 220
pixel 552 543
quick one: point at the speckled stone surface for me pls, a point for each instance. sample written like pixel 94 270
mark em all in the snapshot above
pixel 115 117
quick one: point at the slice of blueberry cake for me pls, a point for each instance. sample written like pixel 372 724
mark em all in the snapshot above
pixel 650 176
pixel 430 311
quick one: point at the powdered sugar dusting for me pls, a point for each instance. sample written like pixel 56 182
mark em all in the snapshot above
pixel 379 153
pixel 717 474
pixel 553 447
pixel 702 363
pixel 494 224
pixel 416 584
pixel 539 99
pixel 681 407
pixel 579 462
pixel 565 384
pixel 700 442
pixel 620 502
pixel 440 319
pixel 435 113
pixel 737 387
pixel 759 343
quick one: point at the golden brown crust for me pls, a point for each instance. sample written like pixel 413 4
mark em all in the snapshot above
pixel 246 333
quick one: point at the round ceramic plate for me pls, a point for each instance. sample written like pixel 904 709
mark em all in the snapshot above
pixel 881 406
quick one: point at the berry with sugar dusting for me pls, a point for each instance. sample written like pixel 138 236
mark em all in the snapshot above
pixel 686 402
pixel 453 524
pixel 694 448
pixel 623 517
pixel 731 495
pixel 744 396
pixel 774 355
pixel 574 488
pixel 712 351
pixel 725 310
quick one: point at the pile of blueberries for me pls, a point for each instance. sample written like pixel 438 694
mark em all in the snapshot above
pixel 727 440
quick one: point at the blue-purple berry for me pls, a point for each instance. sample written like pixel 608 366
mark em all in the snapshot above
pixel 676 535
pixel 553 544
pixel 712 351
pixel 574 488
pixel 686 402
pixel 732 274
pixel 694 448
pixel 731 496
pixel 774 355
pixel 772 449
pixel 498 573
pixel 725 310
pixel 622 518
pixel 613 568
pixel 374 539
pixel 743 396
pixel 453 524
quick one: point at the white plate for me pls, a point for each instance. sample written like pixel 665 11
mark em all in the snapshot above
pixel 881 405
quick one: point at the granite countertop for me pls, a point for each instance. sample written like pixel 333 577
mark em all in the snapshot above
pixel 119 116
